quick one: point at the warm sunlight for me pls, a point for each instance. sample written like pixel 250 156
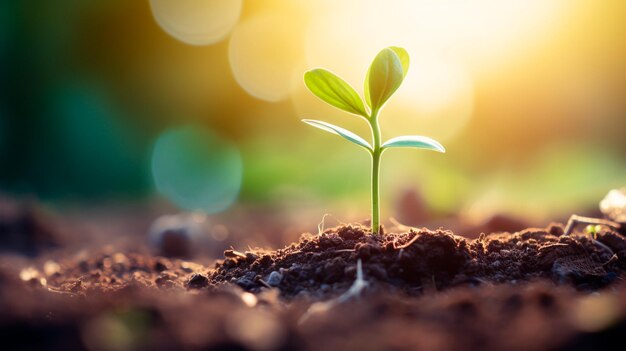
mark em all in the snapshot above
pixel 481 33
pixel 197 22
pixel 452 43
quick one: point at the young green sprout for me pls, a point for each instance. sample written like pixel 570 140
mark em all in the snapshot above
pixel 383 78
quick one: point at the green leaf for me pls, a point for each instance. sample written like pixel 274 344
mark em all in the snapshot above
pixel 415 141
pixel 334 90
pixel 385 75
pixel 404 58
pixel 344 133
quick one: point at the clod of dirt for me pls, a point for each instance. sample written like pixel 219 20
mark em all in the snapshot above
pixel 160 266
pixel 26 229
pixel 424 260
pixel 174 243
pixel 177 235
pixel 197 281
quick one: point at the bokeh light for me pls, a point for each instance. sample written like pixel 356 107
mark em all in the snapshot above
pixel 258 331
pixel 196 169
pixel 197 22
pixel 264 52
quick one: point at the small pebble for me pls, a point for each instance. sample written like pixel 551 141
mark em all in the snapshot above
pixel 160 266
pixel 197 281
pixel 251 257
pixel 176 235
pixel 274 278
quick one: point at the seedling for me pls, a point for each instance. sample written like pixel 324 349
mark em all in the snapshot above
pixel 593 230
pixel 383 78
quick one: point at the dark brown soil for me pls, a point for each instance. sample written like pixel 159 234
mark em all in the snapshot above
pixel 424 260
pixel 427 290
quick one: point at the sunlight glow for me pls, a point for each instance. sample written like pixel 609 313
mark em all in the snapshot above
pixel 264 51
pixel 450 43
pixel 436 99
pixel 196 169
pixel 197 22
pixel 480 32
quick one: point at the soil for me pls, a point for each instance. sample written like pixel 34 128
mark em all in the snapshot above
pixel 535 289
pixel 417 261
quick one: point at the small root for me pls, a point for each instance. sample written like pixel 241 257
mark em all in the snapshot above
pixel 611 260
pixel 231 253
pixel 62 292
pixel 575 220
pixel 598 243
pixel 263 282
pixel 407 244
pixel 355 291
pixel 357 287
pixel 547 247
pixel 320 225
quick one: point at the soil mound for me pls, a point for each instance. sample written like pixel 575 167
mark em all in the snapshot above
pixel 421 260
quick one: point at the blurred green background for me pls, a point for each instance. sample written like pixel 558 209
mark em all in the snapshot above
pixel 529 99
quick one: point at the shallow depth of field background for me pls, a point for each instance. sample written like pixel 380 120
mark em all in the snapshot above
pixel 198 103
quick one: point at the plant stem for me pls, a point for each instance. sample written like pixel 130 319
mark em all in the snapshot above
pixel 376 153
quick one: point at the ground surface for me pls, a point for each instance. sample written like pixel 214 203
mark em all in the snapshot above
pixel 425 290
